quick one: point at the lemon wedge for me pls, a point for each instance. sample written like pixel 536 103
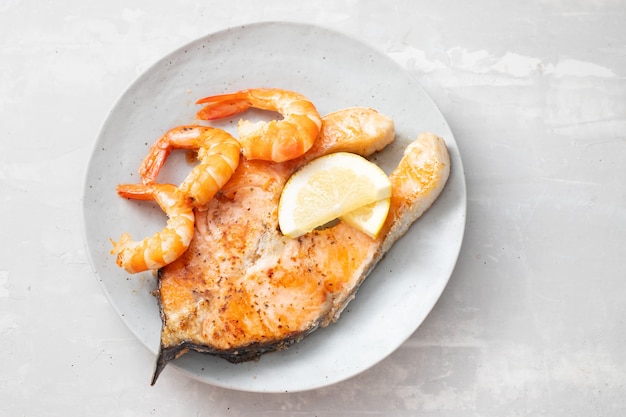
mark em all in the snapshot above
pixel 327 188
pixel 369 218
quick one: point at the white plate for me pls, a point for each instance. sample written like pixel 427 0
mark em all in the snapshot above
pixel 334 71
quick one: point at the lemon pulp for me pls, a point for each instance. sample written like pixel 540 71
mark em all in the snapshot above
pixel 330 187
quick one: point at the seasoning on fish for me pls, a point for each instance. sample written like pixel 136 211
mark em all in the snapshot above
pixel 243 289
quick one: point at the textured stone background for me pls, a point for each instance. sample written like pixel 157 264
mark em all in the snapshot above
pixel 532 321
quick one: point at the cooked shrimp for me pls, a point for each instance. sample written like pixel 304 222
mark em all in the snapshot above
pixel 165 246
pixel 276 140
pixel 218 153
pixel 359 130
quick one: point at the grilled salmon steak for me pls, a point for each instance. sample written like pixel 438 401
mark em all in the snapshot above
pixel 243 289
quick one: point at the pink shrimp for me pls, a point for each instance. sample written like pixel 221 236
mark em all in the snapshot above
pixel 165 246
pixel 218 153
pixel 276 140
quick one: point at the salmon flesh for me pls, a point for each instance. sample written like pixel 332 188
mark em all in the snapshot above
pixel 243 289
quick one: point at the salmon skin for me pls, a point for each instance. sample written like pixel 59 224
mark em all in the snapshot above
pixel 243 289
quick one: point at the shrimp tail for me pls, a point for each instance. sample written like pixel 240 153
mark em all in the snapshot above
pixel 134 191
pixel 224 105
pixel 151 166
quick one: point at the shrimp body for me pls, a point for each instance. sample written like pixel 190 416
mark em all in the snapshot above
pixel 276 140
pixel 218 153
pixel 359 130
pixel 165 246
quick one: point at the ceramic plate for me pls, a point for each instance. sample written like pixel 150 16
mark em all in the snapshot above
pixel 334 71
